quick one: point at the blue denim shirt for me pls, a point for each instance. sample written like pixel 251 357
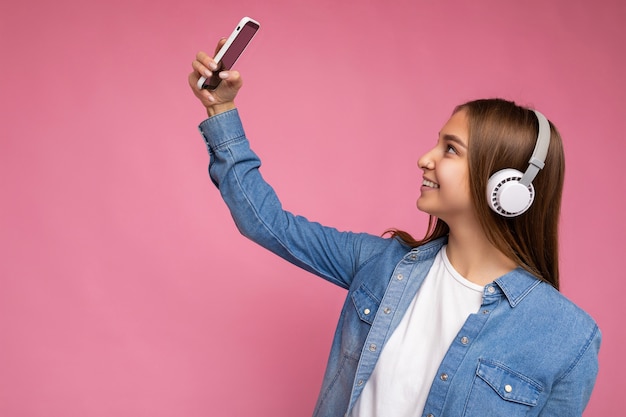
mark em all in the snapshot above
pixel 528 351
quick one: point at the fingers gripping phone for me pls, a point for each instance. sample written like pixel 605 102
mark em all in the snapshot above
pixel 231 50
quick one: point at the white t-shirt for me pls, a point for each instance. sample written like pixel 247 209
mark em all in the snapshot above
pixel 409 361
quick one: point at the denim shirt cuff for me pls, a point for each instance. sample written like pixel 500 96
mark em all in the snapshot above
pixel 220 130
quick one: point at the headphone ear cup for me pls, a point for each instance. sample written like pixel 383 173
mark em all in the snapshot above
pixel 506 195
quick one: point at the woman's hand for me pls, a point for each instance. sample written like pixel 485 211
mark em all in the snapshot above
pixel 223 97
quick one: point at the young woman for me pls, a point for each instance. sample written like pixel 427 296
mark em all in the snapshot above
pixel 465 322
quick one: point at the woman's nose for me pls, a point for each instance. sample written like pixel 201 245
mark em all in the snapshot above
pixel 426 161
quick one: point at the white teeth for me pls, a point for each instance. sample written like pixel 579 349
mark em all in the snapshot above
pixel 430 184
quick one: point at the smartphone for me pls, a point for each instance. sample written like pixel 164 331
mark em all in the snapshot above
pixel 231 50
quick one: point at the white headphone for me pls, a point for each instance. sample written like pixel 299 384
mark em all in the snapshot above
pixel 509 192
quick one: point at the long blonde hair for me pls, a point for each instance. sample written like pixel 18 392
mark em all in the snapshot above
pixel 503 135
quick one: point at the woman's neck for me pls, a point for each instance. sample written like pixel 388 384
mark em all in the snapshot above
pixel 475 258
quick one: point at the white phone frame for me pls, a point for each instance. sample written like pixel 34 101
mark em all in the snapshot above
pixel 229 42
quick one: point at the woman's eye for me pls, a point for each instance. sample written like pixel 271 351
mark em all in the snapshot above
pixel 450 149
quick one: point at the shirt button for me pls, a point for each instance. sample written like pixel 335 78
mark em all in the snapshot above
pixel 430 415
pixel 491 290
pixel 508 388
pixel 400 277
pixel 485 311
pixel 387 310
pixel 413 257
pixel 366 311
pixel 443 377
pixel 360 382
pixel 465 340
pixel 372 347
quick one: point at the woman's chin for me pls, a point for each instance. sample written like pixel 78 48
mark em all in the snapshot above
pixel 421 206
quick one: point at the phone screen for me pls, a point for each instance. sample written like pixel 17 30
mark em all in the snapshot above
pixel 245 35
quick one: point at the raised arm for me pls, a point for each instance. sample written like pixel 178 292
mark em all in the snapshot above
pixel 257 211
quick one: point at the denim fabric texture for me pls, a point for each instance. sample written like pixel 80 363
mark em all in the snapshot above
pixel 528 351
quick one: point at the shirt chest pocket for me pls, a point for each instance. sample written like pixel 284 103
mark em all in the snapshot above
pixel 501 391
pixel 366 304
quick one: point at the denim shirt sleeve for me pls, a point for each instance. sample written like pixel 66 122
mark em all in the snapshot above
pixel 258 213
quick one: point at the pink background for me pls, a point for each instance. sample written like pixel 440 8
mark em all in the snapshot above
pixel 125 289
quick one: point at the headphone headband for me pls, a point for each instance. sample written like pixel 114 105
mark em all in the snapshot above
pixel 537 159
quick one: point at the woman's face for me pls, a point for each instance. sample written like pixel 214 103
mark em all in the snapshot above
pixel 445 186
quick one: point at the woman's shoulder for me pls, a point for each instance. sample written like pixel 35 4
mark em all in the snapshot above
pixel 565 321
pixel 549 310
pixel 561 305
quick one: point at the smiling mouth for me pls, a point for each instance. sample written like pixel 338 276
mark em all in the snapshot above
pixel 430 184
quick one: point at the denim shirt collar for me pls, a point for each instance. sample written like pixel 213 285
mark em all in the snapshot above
pixel 517 284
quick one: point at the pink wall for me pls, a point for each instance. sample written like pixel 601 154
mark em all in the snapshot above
pixel 125 289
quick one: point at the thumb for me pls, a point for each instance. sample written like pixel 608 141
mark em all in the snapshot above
pixel 232 79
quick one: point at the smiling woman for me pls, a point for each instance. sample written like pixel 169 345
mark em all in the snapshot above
pixel 481 138
pixel 422 319
pixel 125 289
